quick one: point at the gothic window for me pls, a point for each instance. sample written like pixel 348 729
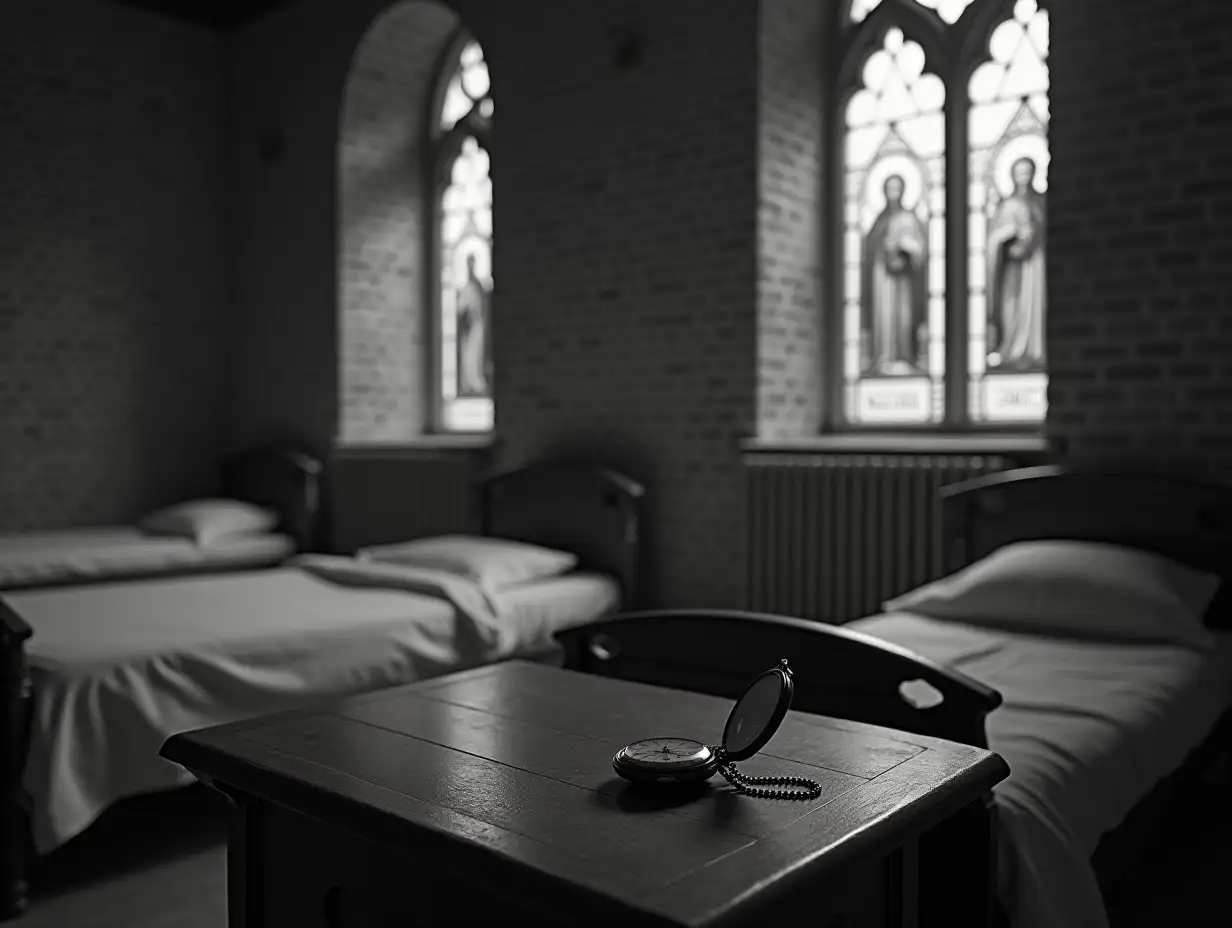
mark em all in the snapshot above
pixel 943 110
pixel 461 131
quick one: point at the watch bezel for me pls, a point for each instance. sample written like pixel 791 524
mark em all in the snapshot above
pixel 686 772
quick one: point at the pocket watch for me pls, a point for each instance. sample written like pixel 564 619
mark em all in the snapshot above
pixel 756 716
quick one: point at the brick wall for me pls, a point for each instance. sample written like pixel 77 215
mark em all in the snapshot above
pixel 113 291
pixel 792 166
pixel 382 209
pixel 625 205
pixel 1140 257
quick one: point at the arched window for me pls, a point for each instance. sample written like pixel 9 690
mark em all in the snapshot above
pixel 942 109
pixel 460 248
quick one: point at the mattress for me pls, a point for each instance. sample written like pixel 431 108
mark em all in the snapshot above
pixel 76 555
pixel 118 667
pixel 1088 730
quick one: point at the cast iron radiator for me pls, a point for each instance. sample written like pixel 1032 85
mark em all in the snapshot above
pixel 831 536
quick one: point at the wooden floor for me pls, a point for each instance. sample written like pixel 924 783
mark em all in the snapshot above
pixel 160 863
pixel 156 862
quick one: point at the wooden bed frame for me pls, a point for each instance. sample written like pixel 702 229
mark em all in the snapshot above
pixel 588 510
pixel 284 478
pixel 846 674
pixel 591 511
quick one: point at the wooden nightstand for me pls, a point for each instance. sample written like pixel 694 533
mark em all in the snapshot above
pixel 489 794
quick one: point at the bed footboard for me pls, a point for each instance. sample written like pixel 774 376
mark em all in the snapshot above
pixel 16 700
pixel 838 672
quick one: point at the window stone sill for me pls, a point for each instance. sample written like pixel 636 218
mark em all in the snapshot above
pixel 871 442
pixel 459 442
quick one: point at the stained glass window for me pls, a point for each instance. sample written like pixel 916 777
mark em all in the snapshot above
pixel 467 89
pixel 466 291
pixel 951 118
pixel 948 10
pixel 465 240
pixel 1008 170
pixel 894 239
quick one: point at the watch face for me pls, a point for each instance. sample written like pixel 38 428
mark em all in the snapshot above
pixel 665 754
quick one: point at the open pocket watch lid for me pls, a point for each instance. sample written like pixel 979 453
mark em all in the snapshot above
pixel 757 714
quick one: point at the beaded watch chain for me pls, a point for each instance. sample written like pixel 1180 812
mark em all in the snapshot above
pixel 794 787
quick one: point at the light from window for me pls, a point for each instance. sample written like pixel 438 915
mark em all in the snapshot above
pixel 948 10
pixel 466 292
pixel 894 240
pixel 464 169
pixel 1008 130
pixel 468 86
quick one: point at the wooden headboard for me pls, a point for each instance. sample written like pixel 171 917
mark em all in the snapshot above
pixel 1178 517
pixel 285 478
pixel 591 511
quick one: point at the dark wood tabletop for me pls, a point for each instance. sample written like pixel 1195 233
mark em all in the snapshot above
pixel 506 771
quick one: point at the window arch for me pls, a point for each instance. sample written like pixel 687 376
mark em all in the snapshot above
pixel 459 132
pixel 939 194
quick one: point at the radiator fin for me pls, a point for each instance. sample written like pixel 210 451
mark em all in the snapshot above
pixel 832 536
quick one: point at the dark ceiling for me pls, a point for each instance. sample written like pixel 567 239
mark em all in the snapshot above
pixel 223 15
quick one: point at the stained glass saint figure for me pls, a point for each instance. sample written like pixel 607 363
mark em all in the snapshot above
pixel 474 355
pixel 894 290
pixel 1017 275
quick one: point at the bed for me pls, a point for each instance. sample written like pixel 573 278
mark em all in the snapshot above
pixel 281 480
pixel 97 677
pixel 1100 734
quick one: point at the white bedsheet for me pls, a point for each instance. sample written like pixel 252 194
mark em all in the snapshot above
pixel 538 610
pixel 120 667
pixel 67 555
pixel 1088 729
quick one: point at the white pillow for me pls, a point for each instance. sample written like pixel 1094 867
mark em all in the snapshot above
pixel 1073 589
pixel 493 563
pixel 207 520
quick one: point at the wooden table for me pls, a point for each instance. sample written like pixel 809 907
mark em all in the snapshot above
pixel 489 794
